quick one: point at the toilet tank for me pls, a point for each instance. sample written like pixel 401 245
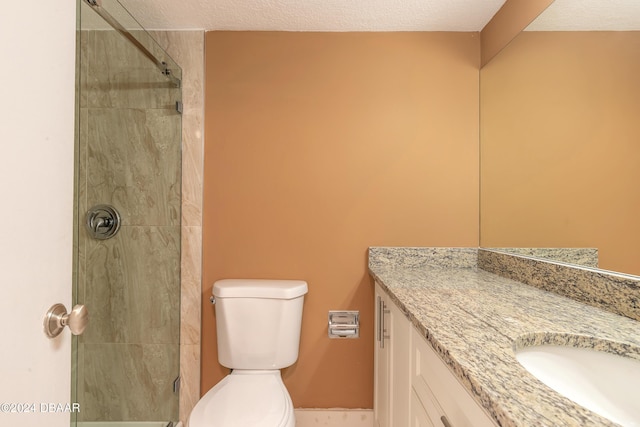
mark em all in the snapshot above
pixel 258 322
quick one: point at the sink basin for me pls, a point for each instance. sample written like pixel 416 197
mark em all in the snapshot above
pixel 602 382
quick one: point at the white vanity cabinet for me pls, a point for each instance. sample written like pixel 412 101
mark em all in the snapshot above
pixel 412 385
pixel 392 387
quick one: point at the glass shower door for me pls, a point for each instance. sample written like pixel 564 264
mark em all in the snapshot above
pixel 128 211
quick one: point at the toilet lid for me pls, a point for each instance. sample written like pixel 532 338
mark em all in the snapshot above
pixel 244 400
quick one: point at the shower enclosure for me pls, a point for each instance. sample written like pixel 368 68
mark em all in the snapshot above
pixel 127 214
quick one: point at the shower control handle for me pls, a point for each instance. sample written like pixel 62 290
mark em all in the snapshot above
pixel 102 222
pixel 57 318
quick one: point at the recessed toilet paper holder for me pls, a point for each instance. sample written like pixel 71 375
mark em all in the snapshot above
pixel 344 324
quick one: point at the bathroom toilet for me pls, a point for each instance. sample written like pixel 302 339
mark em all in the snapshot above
pixel 258 327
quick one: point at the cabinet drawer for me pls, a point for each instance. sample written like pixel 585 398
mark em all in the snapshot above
pixel 439 391
pixel 418 414
pixel 424 400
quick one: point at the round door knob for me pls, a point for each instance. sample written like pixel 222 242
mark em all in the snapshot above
pixel 57 318
pixel 77 320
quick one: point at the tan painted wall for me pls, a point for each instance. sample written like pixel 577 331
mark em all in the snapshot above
pixel 560 140
pixel 319 145
pixel 513 17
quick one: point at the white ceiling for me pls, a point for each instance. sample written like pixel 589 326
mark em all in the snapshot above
pixel 314 15
pixel 589 15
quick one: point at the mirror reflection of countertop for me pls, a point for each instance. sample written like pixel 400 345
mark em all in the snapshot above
pixel 474 319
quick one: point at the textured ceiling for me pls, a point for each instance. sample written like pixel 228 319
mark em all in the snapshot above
pixel 314 15
pixel 589 15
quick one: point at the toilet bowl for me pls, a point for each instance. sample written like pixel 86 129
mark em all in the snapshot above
pixel 245 399
pixel 258 332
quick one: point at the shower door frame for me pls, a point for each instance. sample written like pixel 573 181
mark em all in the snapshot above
pixel 172 73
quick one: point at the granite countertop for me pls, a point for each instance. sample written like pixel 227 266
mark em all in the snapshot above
pixel 474 319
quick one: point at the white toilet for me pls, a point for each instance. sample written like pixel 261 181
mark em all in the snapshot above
pixel 258 325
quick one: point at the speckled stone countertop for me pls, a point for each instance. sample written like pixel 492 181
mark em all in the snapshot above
pixel 475 319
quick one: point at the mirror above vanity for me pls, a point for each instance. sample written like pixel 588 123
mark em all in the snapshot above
pixel 560 134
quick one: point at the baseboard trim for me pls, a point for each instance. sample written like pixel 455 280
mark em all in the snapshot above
pixel 334 417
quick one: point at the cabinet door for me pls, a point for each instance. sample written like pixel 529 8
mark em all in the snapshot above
pixel 392 379
pixel 382 363
pixel 400 347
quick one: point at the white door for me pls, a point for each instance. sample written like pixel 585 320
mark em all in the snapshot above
pixel 37 50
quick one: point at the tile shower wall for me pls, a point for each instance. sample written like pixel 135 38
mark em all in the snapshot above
pixel 129 158
pixel 187 49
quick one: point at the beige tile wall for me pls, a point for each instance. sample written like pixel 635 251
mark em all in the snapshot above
pixel 187 49
pixel 127 136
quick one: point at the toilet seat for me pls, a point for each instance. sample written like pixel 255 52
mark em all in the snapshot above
pixel 245 399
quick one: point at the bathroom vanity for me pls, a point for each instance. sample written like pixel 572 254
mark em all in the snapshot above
pixel 412 384
pixel 447 332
